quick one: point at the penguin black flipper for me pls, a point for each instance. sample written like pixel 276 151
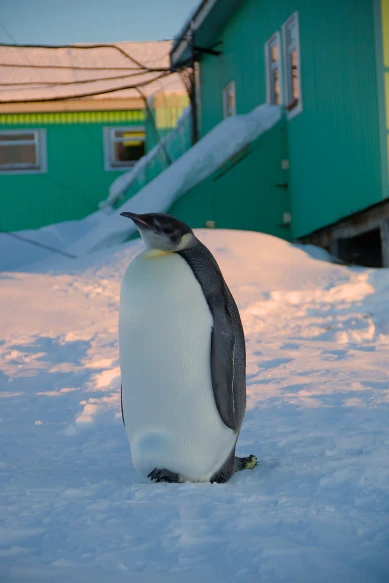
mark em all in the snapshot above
pixel 228 375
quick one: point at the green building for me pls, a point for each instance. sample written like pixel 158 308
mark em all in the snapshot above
pixel 58 157
pixel 321 174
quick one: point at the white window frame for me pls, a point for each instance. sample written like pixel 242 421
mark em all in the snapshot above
pixel 288 99
pixel 197 73
pixel 226 90
pixel 109 141
pixel 41 152
pixel 271 66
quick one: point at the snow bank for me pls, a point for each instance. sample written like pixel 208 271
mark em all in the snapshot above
pixel 225 140
pixel 316 508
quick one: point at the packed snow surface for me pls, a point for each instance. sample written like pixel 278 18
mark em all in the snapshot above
pixel 315 510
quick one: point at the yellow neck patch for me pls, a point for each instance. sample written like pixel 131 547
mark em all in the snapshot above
pixel 151 253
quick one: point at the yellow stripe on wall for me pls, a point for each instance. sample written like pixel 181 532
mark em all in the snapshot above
pixel 385 30
pixel 387 98
pixel 71 117
pixel 388 154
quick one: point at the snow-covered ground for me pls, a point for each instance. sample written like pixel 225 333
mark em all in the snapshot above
pixel 316 510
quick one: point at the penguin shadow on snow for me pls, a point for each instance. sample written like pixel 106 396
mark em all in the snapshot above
pixel 48 349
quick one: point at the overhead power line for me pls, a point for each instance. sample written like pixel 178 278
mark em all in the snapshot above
pixel 76 82
pixel 32 242
pixel 7 31
pixel 74 193
pixel 86 48
pixel 140 70
pixel 78 68
pixel 89 94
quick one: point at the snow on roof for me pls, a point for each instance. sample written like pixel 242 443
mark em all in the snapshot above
pixel 42 82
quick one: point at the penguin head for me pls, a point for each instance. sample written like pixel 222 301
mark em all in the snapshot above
pixel 163 232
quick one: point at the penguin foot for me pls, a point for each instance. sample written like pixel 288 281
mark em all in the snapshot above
pixel 164 476
pixel 246 463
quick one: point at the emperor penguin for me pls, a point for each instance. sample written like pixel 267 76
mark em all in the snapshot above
pixel 182 358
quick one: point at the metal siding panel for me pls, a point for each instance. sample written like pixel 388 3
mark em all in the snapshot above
pixel 385 30
pixel 253 173
pixel 387 98
pixel 335 169
pixel 71 189
pixel 387 150
pixel 334 144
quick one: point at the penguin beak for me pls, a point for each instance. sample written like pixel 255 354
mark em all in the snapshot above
pixel 136 218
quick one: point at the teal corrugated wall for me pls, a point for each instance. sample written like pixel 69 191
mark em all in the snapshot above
pixel 73 186
pixel 334 144
pixel 251 175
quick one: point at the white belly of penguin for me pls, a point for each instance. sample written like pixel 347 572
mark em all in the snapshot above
pixel 170 413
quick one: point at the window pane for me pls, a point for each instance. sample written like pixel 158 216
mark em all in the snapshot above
pixel 122 134
pixel 119 133
pixel 20 155
pixel 292 64
pixel 276 97
pixel 295 74
pixel 229 100
pixel 274 52
pixel 127 152
pixel 16 137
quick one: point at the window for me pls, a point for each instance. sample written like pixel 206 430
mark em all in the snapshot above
pixel 229 103
pixel 273 70
pixel 198 94
pixel 22 151
pixel 123 147
pixel 291 42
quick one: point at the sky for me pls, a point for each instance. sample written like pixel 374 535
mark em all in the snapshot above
pixel 71 21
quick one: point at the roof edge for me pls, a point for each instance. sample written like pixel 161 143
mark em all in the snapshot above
pixel 194 23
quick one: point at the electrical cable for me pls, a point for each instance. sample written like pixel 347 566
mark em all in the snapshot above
pixel 32 242
pixel 90 94
pixel 78 68
pixel 57 83
pixel 54 180
pixel 87 48
pixel 165 72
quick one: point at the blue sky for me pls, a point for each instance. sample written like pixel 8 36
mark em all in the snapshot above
pixel 70 21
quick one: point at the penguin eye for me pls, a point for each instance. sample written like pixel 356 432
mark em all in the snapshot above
pixel 168 231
